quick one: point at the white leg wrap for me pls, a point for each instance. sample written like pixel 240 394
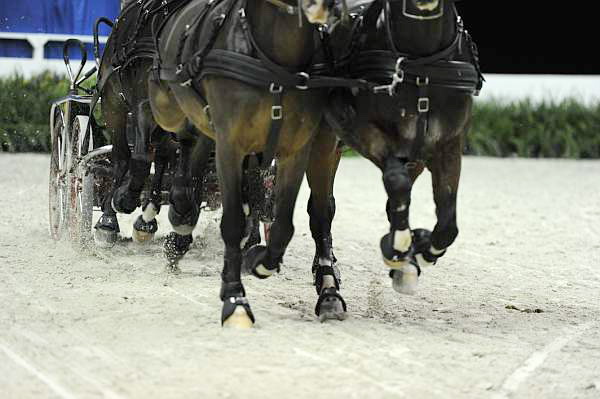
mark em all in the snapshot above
pixel 149 213
pixel 325 262
pixel 402 240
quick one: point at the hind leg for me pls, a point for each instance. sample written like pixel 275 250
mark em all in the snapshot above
pixel 140 126
pixel 320 173
pixel 146 225
pixel 262 261
pixel 107 228
pixel 445 172
pixel 185 194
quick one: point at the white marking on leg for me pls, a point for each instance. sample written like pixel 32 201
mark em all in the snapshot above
pixel 325 262
pixel 246 209
pixel 53 385
pixel 422 262
pixel 149 213
pixel 328 282
pixel 436 251
pixel 402 240
pixel 536 359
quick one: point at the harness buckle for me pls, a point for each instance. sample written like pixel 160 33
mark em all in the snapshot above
pixel 276 112
pixel 275 88
pixel 303 85
pixel 422 82
pixel 423 105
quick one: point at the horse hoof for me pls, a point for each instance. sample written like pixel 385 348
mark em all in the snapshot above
pixel 105 238
pixel 141 237
pixel 237 313
pixel 239 319
pixel 143 231
pixel 331 305
pixel 405 280
pixel 255 262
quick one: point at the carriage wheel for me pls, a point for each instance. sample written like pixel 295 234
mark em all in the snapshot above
pixel 81 190
pixel 58 180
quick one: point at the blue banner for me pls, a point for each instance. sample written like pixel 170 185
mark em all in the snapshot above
pixel 70 17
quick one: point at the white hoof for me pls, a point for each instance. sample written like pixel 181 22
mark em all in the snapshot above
pixel 141 237
pixel 406 280
pixel 239 319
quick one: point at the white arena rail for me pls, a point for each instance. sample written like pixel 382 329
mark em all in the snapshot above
pixel 37 64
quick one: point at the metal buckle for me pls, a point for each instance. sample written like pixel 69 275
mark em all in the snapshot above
pixel 275 88
pixel 423 105
pixel 306 78
pixel 276 112
pixel 422 82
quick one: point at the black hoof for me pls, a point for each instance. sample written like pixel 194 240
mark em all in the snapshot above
pixel 330 305
pixel 258 263
pixel 392 257
pixel 106 231
pixel 176 246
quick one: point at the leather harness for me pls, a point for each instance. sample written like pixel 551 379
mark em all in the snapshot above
pixel 378 71
pixel 394 70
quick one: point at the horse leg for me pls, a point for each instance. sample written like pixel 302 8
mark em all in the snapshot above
pixel 236 310
pixel 107 228
pixel 262 261
pixel 397 244
pixel 320 173
pixel 184 197
pixel 146 225
pixel 445 175
pixel 140 126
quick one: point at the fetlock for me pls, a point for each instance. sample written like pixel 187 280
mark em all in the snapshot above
pixel 183 209
pixel 423 248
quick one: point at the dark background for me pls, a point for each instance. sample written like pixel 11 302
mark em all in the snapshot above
pixel 516 37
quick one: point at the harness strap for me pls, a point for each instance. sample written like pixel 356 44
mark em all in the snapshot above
pixel 422 119
pixel 269 152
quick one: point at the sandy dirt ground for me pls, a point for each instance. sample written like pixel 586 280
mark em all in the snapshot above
pixel 512 311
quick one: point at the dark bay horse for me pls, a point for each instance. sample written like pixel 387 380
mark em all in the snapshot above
pixel 236 70
pixel 426 68
pixel 138 141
